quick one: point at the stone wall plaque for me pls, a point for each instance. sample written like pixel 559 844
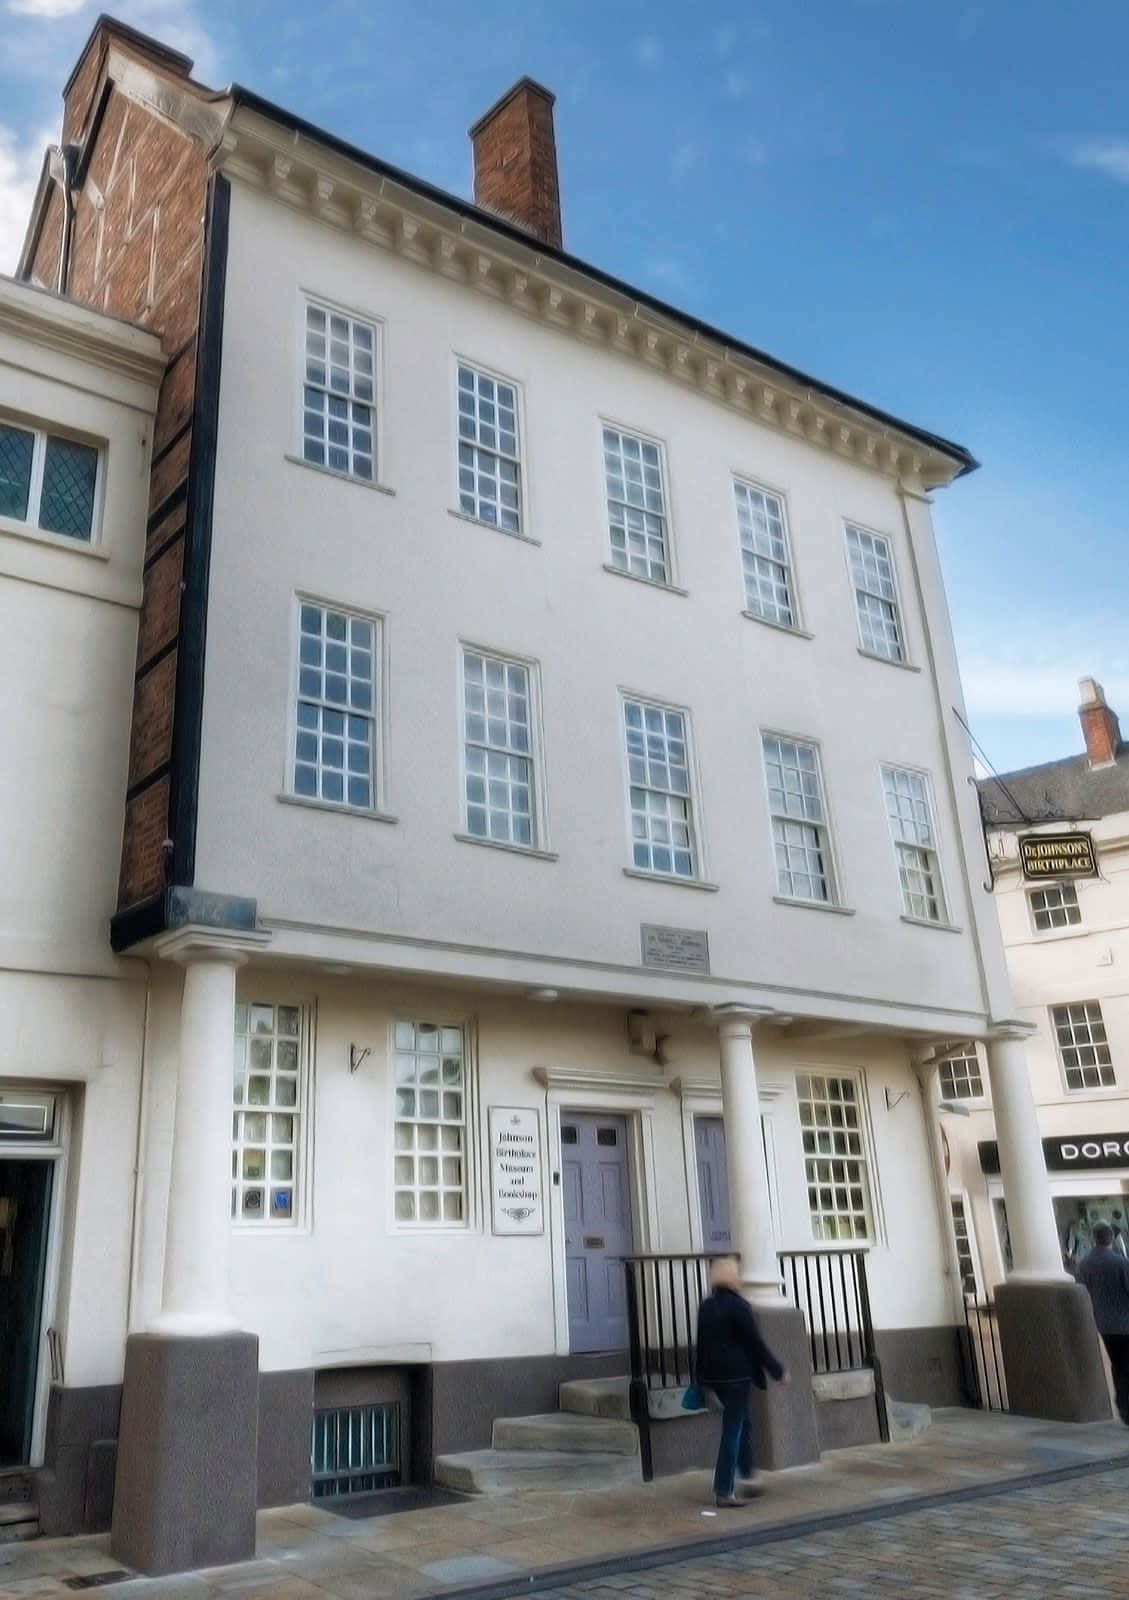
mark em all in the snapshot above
pixel 516 1192
pixel 679 949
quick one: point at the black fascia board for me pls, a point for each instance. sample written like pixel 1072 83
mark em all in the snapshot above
pixel 472 213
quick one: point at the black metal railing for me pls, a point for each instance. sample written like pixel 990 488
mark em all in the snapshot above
pixel 983 1361
pixel 664 1293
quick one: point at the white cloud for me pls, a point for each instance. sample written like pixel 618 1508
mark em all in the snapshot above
pixel 1110 156
pixel 176 24
pixel 648 50
pixel 45 8
pixel 685 159
pixel 20 162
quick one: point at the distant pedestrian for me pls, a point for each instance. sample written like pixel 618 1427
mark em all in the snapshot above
pixel 1105 1273
pixel 731 1358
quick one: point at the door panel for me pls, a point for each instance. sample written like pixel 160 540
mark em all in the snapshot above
pixel 597 1212
pixel 25 1192
pixel 713 1182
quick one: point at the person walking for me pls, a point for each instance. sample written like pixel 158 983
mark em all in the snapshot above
pixel 1105 1274
pixel 731 1358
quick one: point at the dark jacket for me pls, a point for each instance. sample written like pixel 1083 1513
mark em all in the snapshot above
pixel 730 1347
pixel 1105 1274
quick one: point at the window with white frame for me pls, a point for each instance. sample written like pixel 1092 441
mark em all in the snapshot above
pixel 765 558
pixel 637 514
pixel 1082 1045
pixel 835 1161
pixel 959 1076
pixel 489 456
pixel 659 790
pixel 430 1123
pixel 800 834
pixel 498 756
pixel 876 593
pixel 339 392
pixel 47 481
pixel 965 1259
pixel 268 1112
pixel 1056 906
pixel 909 808
pixel 335 718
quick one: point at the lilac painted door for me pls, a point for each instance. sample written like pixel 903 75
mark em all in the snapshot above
pixel 713 1182
pixel 597 1217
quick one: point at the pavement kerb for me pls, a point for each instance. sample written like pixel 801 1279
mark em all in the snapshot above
pixel 691 1549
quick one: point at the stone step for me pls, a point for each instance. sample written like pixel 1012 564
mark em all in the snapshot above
pixel 907 1419
pixel 564 1430
pixel 508 1471
pixel 16 1484
pixel 19 1519
pixel 596 1397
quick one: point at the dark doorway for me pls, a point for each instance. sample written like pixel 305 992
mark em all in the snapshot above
pixel 25 1197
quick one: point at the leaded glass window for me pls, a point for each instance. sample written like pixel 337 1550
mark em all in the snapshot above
pixel 659 790
pixel 489 458
pixel 268 1112
pixel 335 731
pixel 339 393
pixel 48 481
pixel 430 1123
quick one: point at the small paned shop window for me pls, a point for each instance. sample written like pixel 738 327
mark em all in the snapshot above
pixel 47 481
pixel 268 1110
pixel 335 732
pixel 876 594
pixel 835 1162
pixel 1056 906
pixel 959 1077
pixel 339 393
pixel 430 1111
pixel 1082 1045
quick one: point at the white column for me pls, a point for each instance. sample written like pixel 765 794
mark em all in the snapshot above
pixel 750 1217
pixel 198 1228
pixel 1035 1250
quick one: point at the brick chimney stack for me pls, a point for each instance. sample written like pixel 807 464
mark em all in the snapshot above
pixel 1100 727
pixel 515 161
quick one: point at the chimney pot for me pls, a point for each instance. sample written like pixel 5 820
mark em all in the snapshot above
pixel 1100 727
pixel 515 161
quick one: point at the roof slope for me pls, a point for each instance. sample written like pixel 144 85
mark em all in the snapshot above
pixel 1058 791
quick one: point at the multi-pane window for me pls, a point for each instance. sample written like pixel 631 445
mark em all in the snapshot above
pixel 764 554
pixel 834 1156
pixel 430 1133
pixel 1083 1046
pixel 498 744
pixel 909 808
pixel 959 1076
pixel 47 481
pixel 1056 906
pixel 964 1246
pixel 876 593
pixel 799 820
pixel 339 393
pixel 268 1111
pixel 658 773
pixel 489 459
pixel 335 732
pixel 637 515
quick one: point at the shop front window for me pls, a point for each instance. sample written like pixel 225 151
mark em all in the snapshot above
pixel 430 1124
pixel 268 1094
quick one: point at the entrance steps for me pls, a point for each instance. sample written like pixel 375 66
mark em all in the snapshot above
pixel 588 1444
pixel 19 1512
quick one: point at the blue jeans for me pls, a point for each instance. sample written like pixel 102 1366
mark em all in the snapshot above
pixel 735 1452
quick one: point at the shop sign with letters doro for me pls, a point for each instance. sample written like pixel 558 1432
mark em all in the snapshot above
pixel 515 1170
pixel 1057 855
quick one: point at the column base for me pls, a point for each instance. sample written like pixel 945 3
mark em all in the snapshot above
pixel 784 1415
pixel 1051 1355
pixel 187 1452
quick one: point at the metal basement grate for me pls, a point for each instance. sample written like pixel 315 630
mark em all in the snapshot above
pixel 356 1449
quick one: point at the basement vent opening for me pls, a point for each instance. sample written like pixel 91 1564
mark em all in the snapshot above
pixel 356 1450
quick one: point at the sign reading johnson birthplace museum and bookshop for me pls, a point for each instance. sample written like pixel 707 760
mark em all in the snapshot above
pixel 1069 1152
pixel 1057 855
pixel 515 1170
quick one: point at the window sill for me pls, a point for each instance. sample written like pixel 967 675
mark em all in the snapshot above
pixel 671 877
pixel 814 905
pixel 514 849
pixel 342 477
pixel 248 1230
pixel 310 803
pixel 494 527
pixel 927 922
pixel 53 541
pixel 887 661
pixel 637 577
pixel 781 627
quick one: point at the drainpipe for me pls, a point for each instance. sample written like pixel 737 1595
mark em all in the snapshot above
pixel 138 1161
pixel 927 1075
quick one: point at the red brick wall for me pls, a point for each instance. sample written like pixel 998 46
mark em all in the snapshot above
pixel 137 252
pixel 515 162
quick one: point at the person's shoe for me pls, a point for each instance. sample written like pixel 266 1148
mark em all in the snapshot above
pixel 751 1488
pixel 728 1500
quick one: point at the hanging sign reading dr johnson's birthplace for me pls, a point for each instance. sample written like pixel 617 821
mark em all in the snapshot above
pixel 515 1170
pixel 1057 855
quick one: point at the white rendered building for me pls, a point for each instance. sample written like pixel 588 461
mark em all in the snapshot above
pixel 545 775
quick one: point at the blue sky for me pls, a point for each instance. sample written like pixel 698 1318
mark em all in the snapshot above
pixel 925 202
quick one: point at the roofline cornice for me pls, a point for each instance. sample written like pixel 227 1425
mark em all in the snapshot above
pixel 75 330
pixel 357 195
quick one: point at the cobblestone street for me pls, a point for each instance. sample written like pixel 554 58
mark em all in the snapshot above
pixel 1067 1538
